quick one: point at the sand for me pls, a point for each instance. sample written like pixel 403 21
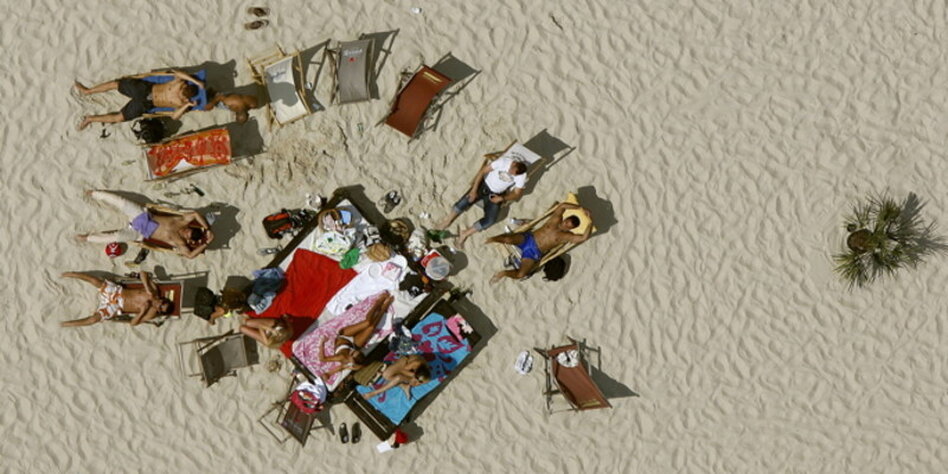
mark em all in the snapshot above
pixel 718 144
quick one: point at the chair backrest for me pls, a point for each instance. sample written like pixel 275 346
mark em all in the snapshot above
pixel 222 358
pixel 575 383
pixel 415 98
pixel 297 423
pixel 353 71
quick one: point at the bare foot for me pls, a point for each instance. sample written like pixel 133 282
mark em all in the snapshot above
pixel 82 237
pixel 497 276
pixel 68 274
pixel 81 88
pixel 84 124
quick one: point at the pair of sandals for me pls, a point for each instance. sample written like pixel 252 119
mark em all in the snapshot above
pixel 259 12
pixel 344 433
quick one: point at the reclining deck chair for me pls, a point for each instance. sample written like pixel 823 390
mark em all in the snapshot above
pixel 171 289
pixel 514 253
pixel 282 76
pixel 297 424
pixel 218 356
pixel 567 368
pixel 200 98
pixel 351 71
pixel 413 101
pixel 177 157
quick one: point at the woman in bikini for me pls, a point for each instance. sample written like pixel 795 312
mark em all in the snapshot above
pixel 351 339
pixel 406 372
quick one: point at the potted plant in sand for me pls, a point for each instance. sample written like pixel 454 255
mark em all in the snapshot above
pixel 884 236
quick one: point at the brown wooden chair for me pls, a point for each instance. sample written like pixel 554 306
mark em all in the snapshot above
pixel 569 374
pixel 414 100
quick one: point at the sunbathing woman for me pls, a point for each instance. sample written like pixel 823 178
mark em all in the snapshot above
pixel 351 339
pixel 406 372
pixel 115 300
pixel 271 332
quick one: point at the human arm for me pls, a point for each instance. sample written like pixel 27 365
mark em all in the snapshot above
pixel 150 287
pixel 149 313
pixel 182 110
pixel 384 388
pixel 511 195
pixel 472 193
pixel 190 253
pixel 187 77
pixel 199 218
pixel 213 102
pixel 82 322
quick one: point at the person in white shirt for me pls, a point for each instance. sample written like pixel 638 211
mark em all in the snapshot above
pixel 496 182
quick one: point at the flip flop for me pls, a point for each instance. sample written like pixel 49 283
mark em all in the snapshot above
pixel 256 24
pixel 343 434
pixel 258 11
pixel 356 433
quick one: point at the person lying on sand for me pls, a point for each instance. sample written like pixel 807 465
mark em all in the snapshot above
pixel 406 372
pixel 351 339
pixel 176 94
pixel 239 104
pixel 533 245
pixel 496 182
pixel 188 233
pixel 115 299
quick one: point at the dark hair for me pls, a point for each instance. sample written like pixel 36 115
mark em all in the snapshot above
pixel 197 234
pixel 166 303
pixel 423 373
pixel 190 90
pixel 573 220
pixel 518 167
pixel 204 302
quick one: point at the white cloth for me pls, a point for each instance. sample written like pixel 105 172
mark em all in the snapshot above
pixel 377 277
pixel 499 179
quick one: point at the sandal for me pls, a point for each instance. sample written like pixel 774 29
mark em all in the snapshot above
pixel 356 433
pixel 256 24
pixel 343 434
pixel 258 11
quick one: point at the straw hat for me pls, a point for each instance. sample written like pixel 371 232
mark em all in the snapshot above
pixel 379 252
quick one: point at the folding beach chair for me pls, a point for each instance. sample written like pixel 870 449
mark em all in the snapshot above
pixel 351 71
pixel 218 356
pixel 177 157
pixel 568 373
pixel 293 421
pixel 414 100
pixel 514 253
pixel 167 76
pixel 282 76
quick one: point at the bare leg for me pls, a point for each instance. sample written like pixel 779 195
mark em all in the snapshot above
pixel 447 221
pixel 362 331
pixel 81 322
pixel 464 235
pixel 526 266
pixel 510 239
pixel 105 86
pixel 254 328
pixel 96 282
pixel 104 118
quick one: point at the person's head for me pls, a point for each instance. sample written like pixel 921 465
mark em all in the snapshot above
pixel 422 373
pixel 570 223
pixel 357 357
pixel 242 116
pixel 278 334
pixel 517 168
pixel 165 306
pixel 194 236
pixel 190 90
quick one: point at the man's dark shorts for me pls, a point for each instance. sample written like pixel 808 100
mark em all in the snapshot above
pixel 139 92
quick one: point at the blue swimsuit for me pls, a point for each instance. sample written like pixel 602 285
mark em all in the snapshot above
pixel 529 249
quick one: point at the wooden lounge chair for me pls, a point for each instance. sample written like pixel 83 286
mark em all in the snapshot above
pixel 351 71
pixel 294 422
pixel 573 380
pixel 413 101
pixel 183 155
pixel 558 250
pixel 282 76
pixel 218 356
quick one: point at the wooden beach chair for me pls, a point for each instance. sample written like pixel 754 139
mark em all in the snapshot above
pixel 282 76
pixel 413 101
pixel 289 418
pixel 569 374
pixel 216 357
pixel 584 222
pixel 176 157
pixel 351 71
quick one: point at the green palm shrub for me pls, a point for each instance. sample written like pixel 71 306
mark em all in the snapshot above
pixel 885 236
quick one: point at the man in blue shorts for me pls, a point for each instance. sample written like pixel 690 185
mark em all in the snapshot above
pixel 178 94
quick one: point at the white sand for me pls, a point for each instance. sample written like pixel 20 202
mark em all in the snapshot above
pixel 728 140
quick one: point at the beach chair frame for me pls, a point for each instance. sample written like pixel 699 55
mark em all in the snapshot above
pixel 202 345
pixel 405 79
pixel 556 251
pixel 173 286
pixel 174 176
pixel 258 66
pixel 289 421
pixel 335 56
pixel 554 386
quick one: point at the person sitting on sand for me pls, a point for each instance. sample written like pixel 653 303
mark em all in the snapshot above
pixel 406 372
pixel 351 339
pixel 499 181
pixel 211 307
pixel 533 245
pixel 114 300
pixel 188 233
pixel 271 332
pixel 175 94
pixel 239 104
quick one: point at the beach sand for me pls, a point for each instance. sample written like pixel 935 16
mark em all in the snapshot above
pixel 719 145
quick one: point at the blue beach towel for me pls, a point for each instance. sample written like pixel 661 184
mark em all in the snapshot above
pixel 200 97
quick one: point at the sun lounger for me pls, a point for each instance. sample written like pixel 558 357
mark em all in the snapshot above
pixel 180 156
pixel 352 71
pixel 200 98
pixel 282 76
pixel 560 249
pixel 568 370
pixel 414 100
pixel 218 356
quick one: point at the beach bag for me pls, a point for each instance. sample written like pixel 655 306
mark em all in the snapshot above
pixel 149 130
pixel 309 397
pixel 284 222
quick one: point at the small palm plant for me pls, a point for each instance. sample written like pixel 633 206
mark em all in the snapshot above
pixel 884 236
